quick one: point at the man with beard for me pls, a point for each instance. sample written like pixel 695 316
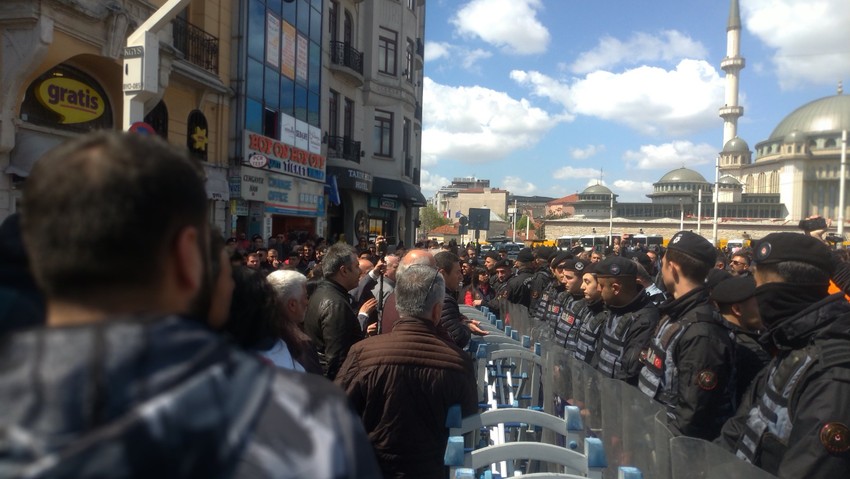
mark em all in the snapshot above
pixel 631 320
pixel 793 420
pixel 570 304
pixel 517 290
pixel 689 364
pixel 119 382
pixel 591 326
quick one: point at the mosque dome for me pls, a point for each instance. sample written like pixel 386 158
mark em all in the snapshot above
pixel 831 113
pixel 736 145
pixel 796 136
pixel 728 180
pixel 596 189
pixel 682 175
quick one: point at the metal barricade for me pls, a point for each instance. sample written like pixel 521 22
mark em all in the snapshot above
pixel 693 458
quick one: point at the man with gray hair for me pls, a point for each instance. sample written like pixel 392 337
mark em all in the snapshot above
pixel 330 321
pixel 403 383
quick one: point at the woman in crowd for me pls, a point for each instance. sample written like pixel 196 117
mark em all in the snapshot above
pixel 479 292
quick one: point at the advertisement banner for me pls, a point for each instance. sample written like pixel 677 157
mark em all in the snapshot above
pixel 302 135
pixel 315 139
pixel 287 52
pixel 269 154
pixel 302 59
pixel 272 40
pixel 254 186
pixel 292 196
pixel 287 129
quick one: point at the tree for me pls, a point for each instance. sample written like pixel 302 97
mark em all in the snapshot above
pixel 520 224
pixel 431 218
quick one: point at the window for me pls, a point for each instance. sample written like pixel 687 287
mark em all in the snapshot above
pixel 408 61
pixel 348 29
pixel 405 146
pixel 348 119
pixel 387 46
pixel 270 123
pixel 333 113
pixel 410 4
pixel 383 134
pixel 332 15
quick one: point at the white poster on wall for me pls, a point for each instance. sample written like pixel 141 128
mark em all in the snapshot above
pixel 272 40
pixel 315 139
pixel 287 129
pixel 301 60
pixel 302 135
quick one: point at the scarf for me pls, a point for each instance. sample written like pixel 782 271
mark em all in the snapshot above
pixel 778 301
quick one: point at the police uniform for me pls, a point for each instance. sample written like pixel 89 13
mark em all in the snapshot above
pixel 572 310
pixel 588 334
pixel 541 279
pixel 628 329
pixel 794 421
pixel 517 288
pixel 689 363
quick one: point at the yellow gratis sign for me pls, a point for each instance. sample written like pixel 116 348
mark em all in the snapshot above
pixel 74 101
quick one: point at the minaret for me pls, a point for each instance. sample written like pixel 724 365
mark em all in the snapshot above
pixel 732 65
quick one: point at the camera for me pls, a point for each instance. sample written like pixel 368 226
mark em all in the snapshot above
pixel 834 238
pixel 813 224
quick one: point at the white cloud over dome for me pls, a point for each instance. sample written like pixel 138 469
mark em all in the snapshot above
pixel 474 124
pixel 810 38
pixel 671 155
pixel 511 25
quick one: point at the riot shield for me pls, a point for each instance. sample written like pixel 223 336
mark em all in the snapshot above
pixel 693 458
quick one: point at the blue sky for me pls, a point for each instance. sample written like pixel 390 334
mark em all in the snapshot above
pixel 540 95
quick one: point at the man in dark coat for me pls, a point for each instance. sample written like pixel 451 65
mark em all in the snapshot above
pixel 403 383
pixel 451 320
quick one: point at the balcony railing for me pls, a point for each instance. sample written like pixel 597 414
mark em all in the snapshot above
pixel 344 147
pixel 199 47
pixel 418 112
pixel 344 54
pixel 420 47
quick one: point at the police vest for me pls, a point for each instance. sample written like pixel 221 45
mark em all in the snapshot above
pixel 588 334
pixel 539 310
pixel 569 322
pixel 614 342
pixel 771 418
pixel 659 375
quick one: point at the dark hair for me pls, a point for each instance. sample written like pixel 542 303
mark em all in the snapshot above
pixel 721 258
pixel 796 272
pixel 255 320
pixel 692 268
pixel 477 272
pixel 104 194
pixel 336 257
pixel 445 260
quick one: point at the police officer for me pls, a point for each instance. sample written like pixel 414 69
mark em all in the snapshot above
pixel 550 288
pixel 542 277
pixel 517 288
pixel 689 363
pixel 794 421
pixel 591 325
pixel 572 307
pixel 631 320
pixel 736 302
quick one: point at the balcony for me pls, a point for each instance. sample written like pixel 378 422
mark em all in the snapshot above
pixel 197 46
pixel 420 53
pixel 418 113
pixel 344 147
pixel 346 60
pixel 416 176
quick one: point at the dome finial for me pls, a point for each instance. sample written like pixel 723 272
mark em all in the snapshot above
pixel 840 87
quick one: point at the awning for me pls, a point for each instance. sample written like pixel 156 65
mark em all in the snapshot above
pixel 399 190
pixel 30 146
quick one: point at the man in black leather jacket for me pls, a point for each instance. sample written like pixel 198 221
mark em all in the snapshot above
pixel 451 321
pixel 120 383
pixel 793 421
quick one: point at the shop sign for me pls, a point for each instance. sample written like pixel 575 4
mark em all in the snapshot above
pixel 254 185
pixel 388 204
pixel 74 101
pixel 238 207
pixel 292 196
pixel 235 186
pixel 284 158
pixel 352 179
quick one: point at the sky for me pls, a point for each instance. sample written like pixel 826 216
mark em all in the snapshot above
pixel 547 97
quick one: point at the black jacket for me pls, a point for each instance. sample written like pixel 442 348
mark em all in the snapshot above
pixel 517 289
pixel 331 324
pixel 820 333
pixel 452 322
pixel 165 397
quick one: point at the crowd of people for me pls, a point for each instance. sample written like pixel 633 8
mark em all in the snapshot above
pixel 148 344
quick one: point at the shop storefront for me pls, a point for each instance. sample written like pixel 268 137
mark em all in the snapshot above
pixel 280 187
pixel 348 216
pixel 392 206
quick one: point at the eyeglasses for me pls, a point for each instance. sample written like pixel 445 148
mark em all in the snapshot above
pixel 433 281
pixel 738 263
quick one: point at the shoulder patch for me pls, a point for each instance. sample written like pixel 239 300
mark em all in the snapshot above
pixel 835 437
pixel 707 380
pixel 535 294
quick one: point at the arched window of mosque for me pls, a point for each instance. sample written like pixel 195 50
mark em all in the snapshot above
pixel 774 182
pixel 67 98
pixel 761 183
pixel 197 134
pixel 830 143
pixel 158 119
pixel 813 144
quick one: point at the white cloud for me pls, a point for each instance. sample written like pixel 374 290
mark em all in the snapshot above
pixel 430 183
pixel 650 100
pixel 569 173
pixel 509 24
pixel 630 186
pixel 436 50
pixel 476 124
pixel 810 38
pixel 586 152
pixel 518 186
pixel 465 57
pixel 671 155
pixel 668 46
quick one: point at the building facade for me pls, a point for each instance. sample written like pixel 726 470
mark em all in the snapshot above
pixel 61 75
pixel 372 116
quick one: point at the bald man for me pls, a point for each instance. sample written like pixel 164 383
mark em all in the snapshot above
pixel 414 256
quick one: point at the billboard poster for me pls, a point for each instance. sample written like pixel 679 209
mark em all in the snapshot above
pixel 272 40
pixel 302 135
pixel 315 139
pixel 269 154
pixel 287 129
pixel 293 196
pixel 287 63
pixel 302 60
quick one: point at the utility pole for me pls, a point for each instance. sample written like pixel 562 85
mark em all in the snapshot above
pixel 841 191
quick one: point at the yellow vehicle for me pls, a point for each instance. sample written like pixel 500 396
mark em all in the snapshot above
pixel 538 243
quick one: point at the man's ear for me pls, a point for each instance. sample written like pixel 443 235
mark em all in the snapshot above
pixel 436 312
pixel 736 310
pixel 188 260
